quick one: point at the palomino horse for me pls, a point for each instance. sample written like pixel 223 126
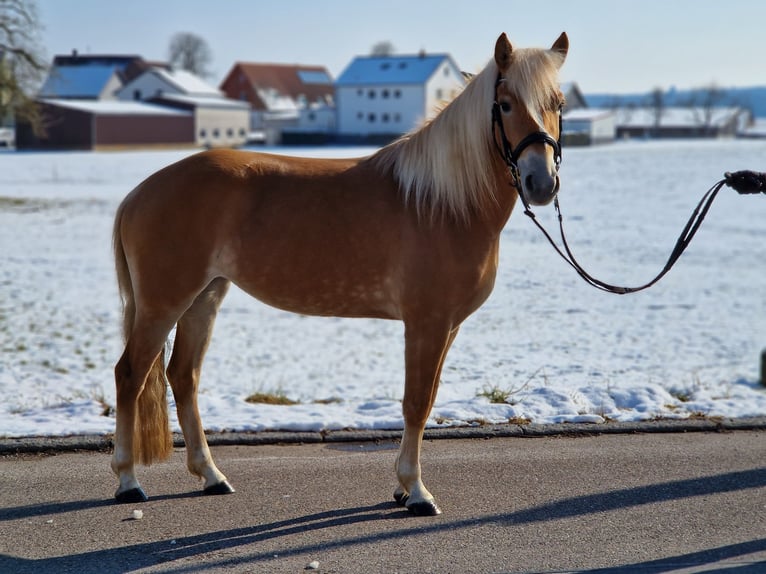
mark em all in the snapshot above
pixel 409 233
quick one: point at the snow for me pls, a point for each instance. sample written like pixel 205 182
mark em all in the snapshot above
pixel 116 107
pixel 559 350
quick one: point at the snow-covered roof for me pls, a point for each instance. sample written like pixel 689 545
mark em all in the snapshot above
pixel 686 117
pixel 77 81
pixel 186 82
pixel 587 114
pixel 376 70
pixel 115 107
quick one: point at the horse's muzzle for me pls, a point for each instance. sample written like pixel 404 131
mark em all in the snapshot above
pixel 539 180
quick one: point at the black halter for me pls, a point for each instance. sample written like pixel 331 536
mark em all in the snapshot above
pixel 512 155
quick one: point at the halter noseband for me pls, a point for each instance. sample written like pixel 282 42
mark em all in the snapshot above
pixel 512 155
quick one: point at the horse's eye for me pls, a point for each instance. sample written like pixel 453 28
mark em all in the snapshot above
pixel 505 107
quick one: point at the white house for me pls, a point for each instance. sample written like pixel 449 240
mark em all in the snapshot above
pixel 587 126
pixel 218 121
pixel 381 97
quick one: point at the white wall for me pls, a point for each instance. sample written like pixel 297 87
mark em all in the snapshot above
pixel 443 85
pixel 147 85
pixel 379 109
pixel 216 127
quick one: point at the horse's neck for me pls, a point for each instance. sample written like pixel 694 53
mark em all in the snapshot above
pixel 498 209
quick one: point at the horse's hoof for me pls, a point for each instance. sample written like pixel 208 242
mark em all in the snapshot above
pixel 220 488
pixel 426 508
pixel 401 498
pixel 131 496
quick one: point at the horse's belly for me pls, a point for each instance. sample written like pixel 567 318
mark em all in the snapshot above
pixel 310 289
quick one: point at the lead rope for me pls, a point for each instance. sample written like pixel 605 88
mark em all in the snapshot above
pixel 743 182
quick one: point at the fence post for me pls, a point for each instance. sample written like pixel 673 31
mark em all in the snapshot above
pixel 763 367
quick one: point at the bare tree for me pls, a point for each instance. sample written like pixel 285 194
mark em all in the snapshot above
pixel 657 105
pixel 706 100
pixel 21 61
pixel 190 52
pixel 384 48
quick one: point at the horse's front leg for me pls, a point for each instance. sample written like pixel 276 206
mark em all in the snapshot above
pixel 426 347
pixel 193 333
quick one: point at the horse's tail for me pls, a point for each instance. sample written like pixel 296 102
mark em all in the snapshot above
pixel 152 440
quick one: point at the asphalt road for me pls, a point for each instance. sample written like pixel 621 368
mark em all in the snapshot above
pixel 627 503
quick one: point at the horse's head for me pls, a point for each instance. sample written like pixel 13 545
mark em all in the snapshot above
pixel 526 116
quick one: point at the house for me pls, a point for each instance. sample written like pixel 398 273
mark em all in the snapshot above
pixel 106 124
pixel 379 98
pixel 681 122
pixel 588 126
pixel 218 121
pixel 289 103
pixel 90 77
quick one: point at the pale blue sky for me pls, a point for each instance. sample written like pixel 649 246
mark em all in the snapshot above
pixel 616 45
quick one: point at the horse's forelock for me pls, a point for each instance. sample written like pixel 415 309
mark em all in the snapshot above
pixel 533 79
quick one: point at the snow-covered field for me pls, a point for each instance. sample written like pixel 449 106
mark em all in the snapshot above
pixel 558 349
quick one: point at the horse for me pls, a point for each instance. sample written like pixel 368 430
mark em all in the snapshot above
pixel 409 233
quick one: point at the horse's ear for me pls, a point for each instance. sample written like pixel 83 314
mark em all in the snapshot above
pixel 561 46
pixel 503 50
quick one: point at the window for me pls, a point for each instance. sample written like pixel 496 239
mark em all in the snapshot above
pixel 446 71
pixel 397 93
pixel 230 133
pixel 203 133
pixel 371 118
pixel 242 132
pixel 385 93
pixel 371 94
pixel 216 133
pixel 438 94
pixel 312 116
pixel 137 94
pixel 385 118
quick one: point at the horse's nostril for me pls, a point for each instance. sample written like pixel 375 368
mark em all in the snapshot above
pixel 529 183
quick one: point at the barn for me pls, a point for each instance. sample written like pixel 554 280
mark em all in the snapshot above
pixel 107 124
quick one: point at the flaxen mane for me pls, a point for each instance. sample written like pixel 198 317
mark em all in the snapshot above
pixel 443 167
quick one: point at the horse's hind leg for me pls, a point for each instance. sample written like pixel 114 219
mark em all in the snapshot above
pixel 425 350
pixel 141 428
pixel 193 334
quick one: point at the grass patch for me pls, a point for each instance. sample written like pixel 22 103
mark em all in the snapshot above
pixel 275 398
pixel 496 394
pixel 521 421
pixel 330 401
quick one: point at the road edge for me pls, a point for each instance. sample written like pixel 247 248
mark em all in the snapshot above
pixel 60 444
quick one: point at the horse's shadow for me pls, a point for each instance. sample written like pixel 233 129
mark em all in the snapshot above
pixel 137 556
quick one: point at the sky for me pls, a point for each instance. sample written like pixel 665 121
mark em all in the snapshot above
pixel 616 46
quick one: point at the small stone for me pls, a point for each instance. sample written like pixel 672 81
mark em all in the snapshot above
pixel 138 514
pixel 313 565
